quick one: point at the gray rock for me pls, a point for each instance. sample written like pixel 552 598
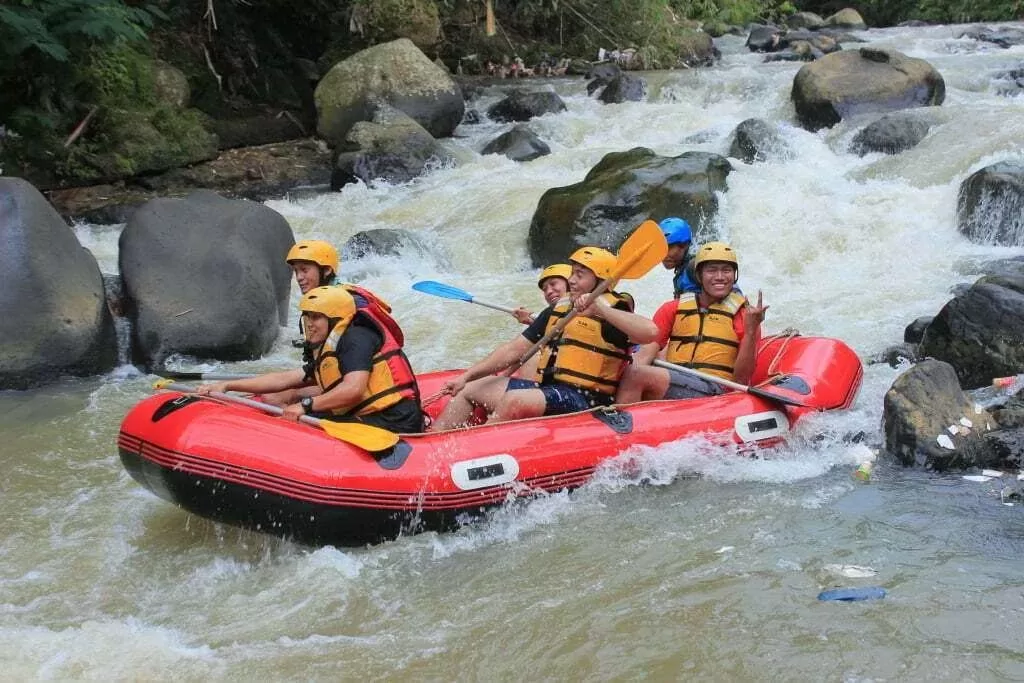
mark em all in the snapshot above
pixel 205 276
pixel 854 82
pixel 847 18
pixel 1007 267
pixel 891 134
pixel 757 140
pixel 392 148
pixel 395 74
pixel 896 355
pixel 523 106
pixel 1007 448
pixel 1007 36
pixel 919 408
pixel 981 333
pixel 518 144
pixel 914 332
pixel 624 88
pixel 619 193
pixel 55 316
pixel 808 20
pixel 1009 82
pixel 764 38
pixel 990 205
pixel 170 85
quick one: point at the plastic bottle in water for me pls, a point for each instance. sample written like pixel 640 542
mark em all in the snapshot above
pixel 1009 385
pixel 1001 389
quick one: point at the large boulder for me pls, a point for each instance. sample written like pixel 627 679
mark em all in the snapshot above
pixel 921 407
pixel 696 48
pixel 764 38
pixel 518 144
pixel 990 206
pixel 869 80
pixel 205 276
pixel 52 302
pixel 624 88
pixel 808 20
pixel 523 106
pixel 846 18
pixel 891 134
pixel 981 332
pixel 757 140
pixel 394 73
pixel 621 191
pixel 393 148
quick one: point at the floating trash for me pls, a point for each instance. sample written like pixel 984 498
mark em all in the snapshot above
pixel 977 477
pixel 965 422
pixel 945 442
pixel 851 571
pixel 853 594
pixel 992 473
pixel 725 549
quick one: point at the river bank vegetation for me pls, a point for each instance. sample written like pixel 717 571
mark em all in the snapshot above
pixel 96 90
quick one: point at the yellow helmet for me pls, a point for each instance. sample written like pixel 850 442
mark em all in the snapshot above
pixel 315 251
pixel 600 261
pixel 715 251
pixel 333 302
pixel 562 270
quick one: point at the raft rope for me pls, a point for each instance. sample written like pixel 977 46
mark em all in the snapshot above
pixel 773 371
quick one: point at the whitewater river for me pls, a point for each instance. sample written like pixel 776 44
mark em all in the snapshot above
pixel 707 569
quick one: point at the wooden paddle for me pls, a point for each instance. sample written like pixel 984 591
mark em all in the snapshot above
pixel 373 439
pixel 643 249
pixel 754 391
pixel 448 292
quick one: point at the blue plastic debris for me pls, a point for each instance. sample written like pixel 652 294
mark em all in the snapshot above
pixel 853 594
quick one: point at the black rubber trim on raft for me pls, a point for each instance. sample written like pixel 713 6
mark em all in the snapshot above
pixel 171 405
pixel 394 457
pixel 621 422
pixel 793 383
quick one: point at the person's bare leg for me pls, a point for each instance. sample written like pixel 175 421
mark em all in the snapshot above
pixel 519 404
pixel 486 392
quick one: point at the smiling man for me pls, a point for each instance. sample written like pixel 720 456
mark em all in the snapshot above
pixel 714 331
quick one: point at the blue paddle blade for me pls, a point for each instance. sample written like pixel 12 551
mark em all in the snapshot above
pixel 442 290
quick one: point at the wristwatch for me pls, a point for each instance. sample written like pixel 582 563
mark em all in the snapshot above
pixel 307 405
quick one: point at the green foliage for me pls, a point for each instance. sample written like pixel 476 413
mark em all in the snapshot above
pixel 890 12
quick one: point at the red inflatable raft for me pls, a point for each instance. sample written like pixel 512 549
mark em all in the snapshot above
pixel 233 464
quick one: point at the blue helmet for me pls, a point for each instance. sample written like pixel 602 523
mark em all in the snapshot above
pixel 676 230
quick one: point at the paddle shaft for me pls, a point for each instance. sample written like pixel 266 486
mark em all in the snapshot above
pixel 214 376
pixel 730 384
pixel 496 307
pixel 258 405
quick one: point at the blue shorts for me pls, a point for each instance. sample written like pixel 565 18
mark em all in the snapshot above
pixel 561 398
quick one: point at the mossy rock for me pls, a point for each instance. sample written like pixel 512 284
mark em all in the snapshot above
pixel 138 142
pixel 620 192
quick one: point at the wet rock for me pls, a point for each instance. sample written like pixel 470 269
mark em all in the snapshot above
pixel 604 71
pixel 619 193
pixel 471 117
pixel 764 38
pixel 853 82
pixel 624 88
pixel 914 332
pixel 523 106
pixel 55 316
pixel 384 242
pixel 696 49
pixel 205 276
pixel 848 18
pixel 990 205
pixel 1009 82
pixel 1007 36
pixel 1010 415
pixel 891 134
pixel 896 356
pixel 395 74
pixel 808 20
pixel 757 140
pixel 518 144
pixel 1007 448
pixel 392 148
pixel 981 332
pixel 1007 267
pixel 918 410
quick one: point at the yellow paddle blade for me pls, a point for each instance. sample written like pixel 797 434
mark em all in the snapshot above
pixel 643 249
pixel 368 438
pixel 163 383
